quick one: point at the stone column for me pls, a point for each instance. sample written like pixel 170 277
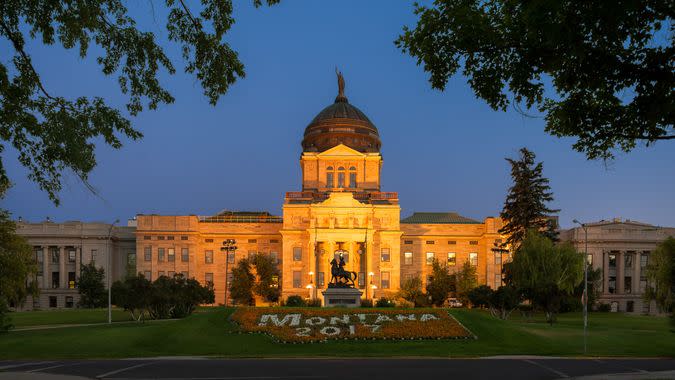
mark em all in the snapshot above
pixel 369 268
pixel 45 267
pixel 636 273
pixel 353 256
pixel 312 267
pixel 63 275
pixel 78 262
pixel 605 272
pixel 620 263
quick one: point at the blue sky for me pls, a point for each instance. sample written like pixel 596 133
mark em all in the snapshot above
pixel 443 151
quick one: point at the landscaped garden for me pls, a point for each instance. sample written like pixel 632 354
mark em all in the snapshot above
pixel 210 332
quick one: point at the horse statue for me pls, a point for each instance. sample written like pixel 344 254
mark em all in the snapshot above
pixel 340 278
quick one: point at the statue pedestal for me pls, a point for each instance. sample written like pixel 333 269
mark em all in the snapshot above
pixel 342 297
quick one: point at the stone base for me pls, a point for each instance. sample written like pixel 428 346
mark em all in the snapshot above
pixel 341 297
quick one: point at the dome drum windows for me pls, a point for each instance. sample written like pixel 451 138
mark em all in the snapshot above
pixel 346 178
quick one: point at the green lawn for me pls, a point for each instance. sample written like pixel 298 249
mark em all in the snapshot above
pixel 207 332
pixel 66 316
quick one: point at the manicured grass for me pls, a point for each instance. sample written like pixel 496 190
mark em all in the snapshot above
pixel 66 316
pixel 207 332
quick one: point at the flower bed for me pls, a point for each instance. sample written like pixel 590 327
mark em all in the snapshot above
pixel 291 325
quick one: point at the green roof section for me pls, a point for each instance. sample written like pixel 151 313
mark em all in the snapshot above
pixel 438 218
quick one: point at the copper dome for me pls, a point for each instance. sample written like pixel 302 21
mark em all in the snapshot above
pixel 341 123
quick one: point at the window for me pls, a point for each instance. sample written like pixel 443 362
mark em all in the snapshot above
pixel 56 280
pixel 384 254
pixel 230 257
pixel 230 277
pixel 589 259
pixel 630 306
pixel 131 260
pixel 384 280
pixel 341 177
pixel 39 255
pixel 146 237
pixel 69 301
pixel 627 284
pixel 352 177
pixel 93 255
pixel 473 242
pixel 407 242
pixel 71 280
pixel 643 284
pixel 55 255
pixel 160 273
pixel 362 279
pixel 473 259
pixel 71 256
pixel 185 274
pixel 330 183
pixel 431 242
pixel 52 301
pixel 169 238
pixel 275 257
pixel 148 275
pixel 644 259
pixel 408 258
pixel 628 259
pixel 251 241
pixel 185 255
pixel 452 242
pixel 297 279
pixel 183 238
pixel 452 259
pixel 430 258
pixel 320 279
pixel 274 241
pixel 498 258
pixel 160 254
pixel 612 273
pixel 297 254
pixel 171 253
pixel 160 237
pixel 208 278
pixel 147 253
pixel 208 257
pixel 208 240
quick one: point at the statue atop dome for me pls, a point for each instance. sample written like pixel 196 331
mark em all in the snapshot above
pixel 341 98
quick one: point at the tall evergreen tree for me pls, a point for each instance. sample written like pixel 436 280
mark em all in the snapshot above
pixel 92 290
pixel 525 206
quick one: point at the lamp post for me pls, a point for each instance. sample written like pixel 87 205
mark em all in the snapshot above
pixel 110 271
pixel 228 247
pixel 585 296
pixel 310 286
pixel 371 285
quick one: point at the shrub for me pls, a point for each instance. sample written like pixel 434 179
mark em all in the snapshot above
pixel 604 307
pixel 411 290
pixel 5 321
pixel 404 304
pixel 295 301
pixel 480 296
pixel 384 302
pixel 314 303
pixel 366 302
pixel 503 301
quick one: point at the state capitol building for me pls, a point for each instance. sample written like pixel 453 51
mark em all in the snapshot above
pixel 339 206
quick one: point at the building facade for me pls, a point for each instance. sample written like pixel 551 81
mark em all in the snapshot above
pixel 621 249
pixel 339 206
pixel 61 249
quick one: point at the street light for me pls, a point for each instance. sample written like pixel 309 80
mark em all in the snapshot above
pixel 228 247
pixel 110 271
pixel 585 296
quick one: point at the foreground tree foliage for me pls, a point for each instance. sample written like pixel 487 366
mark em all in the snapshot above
pixel 480 296
pixel 241 286
pixel 440 283
pixel 545 273
pixel 525 206
pixel 611 64
pixel 661 276
pixel 53 133
pixel 91 287
pixel 465 281
pixel 264 282
pixel 411 291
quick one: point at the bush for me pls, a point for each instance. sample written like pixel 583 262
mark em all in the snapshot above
pixel 503 301
pixel 5 321
pixel 366 302
pixel 480 296
pixel 604 307
pixel 404 304
pixel 295 301
pixel 385 302
pixel 314 303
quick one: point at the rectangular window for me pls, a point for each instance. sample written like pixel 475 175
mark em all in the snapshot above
pixel 408 258
pixel 473 242
pixel 644 259
pixel 430 258
pixel 171 254
pixel 160 237
pixel 341 180
pixel 352 180
pixel 275 257
pixel 93 256
pixel 55 255
pixel 643 284
pixel 208 240
pixel 169 238
pixel 384 254
pixel 131 259
pixel 71 280
pixel 56 280
pixel 407 242
pixel 274 241
pixel 589 259
pixel 230 257
pixel 627 284
pixel 452 242
pixel 183 238
pixel 71 256
pixel 185 255
pixel 208 278
pixel 160 254
pixel 330 183
pixel 320 279
pixel 362 279
pixel 297 279
pixel 52 301
pixel 384 280
pixel 498 280
pixel 251 241
pixel 630 306
pixel 39 255
pixel 147 254
pixel 612 284
pixel 452 259
pixel 431 242
pixel 148 275
pixel 208 257
pixel 146 237
pixel 473 259
pixel 160 273
pixel 628 259
pixel 498 258
pixel 297 254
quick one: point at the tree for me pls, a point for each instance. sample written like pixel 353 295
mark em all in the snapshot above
pixel 440 284
pixel 267 273
pixel 602 72
pixel 546 272
pixel 54 134
pixel 411 291
pixel 241 286
pixel 91 287
pixel 133 294
pixel 465 281
pixel 661 276
pixel 503 301
pixel 17 264
pixel 480 296
pixel 525 206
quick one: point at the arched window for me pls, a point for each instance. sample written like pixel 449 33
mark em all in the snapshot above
pixel 352 177
pixel 330 182
pixel 341 177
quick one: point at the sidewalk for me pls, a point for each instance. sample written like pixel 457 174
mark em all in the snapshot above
pixel 37 376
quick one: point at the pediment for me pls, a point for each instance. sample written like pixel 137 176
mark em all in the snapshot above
pixel 341 200
pixel 341 150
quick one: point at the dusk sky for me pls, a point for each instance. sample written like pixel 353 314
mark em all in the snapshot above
pixel 443 151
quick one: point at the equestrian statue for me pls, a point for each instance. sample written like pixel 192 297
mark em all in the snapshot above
pixel 340 278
